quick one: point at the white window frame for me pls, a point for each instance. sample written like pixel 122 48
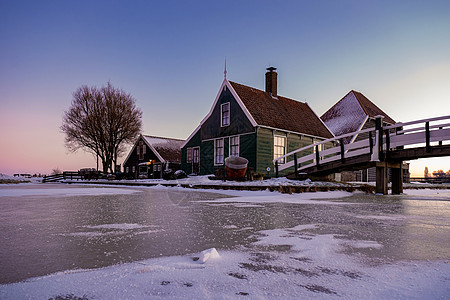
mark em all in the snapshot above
pixel 276 146
pixel 225 119
pixel 236 145
pixel 196 160
pixel 219 152
pixel 189 155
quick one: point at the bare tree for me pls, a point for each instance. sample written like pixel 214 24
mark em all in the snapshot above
pixel 102 121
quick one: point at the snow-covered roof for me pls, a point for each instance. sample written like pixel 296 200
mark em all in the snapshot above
pixel 167 148
pixel 349 113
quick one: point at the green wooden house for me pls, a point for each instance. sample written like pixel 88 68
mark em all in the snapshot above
pixel 257 125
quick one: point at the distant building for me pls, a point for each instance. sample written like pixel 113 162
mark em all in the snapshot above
pixel 352 113
pixel 257 125
pixel 151 156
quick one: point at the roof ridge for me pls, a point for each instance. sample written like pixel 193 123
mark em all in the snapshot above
pixel 164 138
pixel 365 108
pixel 259 90
pixel 282 113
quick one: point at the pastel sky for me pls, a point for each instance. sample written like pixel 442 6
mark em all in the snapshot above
pixel 170 56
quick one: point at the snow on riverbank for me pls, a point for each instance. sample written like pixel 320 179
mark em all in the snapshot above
pixel 19 179
pixel 305 265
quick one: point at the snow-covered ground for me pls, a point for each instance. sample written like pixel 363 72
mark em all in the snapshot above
pixel 288 263
pixel 205 180
pixel 313 268
pixel 19 179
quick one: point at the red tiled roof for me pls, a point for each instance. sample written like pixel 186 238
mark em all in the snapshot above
pixel 371 109
pixel 280 112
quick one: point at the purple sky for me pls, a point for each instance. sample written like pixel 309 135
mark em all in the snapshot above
pixel 170 54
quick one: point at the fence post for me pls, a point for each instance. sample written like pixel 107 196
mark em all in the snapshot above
pixel 388 143
pixel 397 129
pixel 341 141
pixel 295 165
pixel 317 156
pixel 379 128
pixel 427 137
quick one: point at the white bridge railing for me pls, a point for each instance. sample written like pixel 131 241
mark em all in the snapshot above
pixel 378 143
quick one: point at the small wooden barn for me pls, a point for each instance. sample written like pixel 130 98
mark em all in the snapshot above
pixel 257 125
pixel 151 156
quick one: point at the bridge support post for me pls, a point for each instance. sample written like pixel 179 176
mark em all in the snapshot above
pixel 397 178
pixel 382 179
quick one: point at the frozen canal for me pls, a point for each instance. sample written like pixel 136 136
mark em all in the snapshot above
pixel 144 243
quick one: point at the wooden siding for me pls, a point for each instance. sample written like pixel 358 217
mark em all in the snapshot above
pixel 133 159
pixel 239 122
pixel 264 151
pixel 195 141
pixel 207 158
pixel 247 149
pixel 247 144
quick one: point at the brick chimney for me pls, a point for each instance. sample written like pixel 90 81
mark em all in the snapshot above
pixel 271 81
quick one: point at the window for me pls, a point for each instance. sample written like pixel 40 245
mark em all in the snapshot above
pixel 133 169
pixel 140 150
pixel 225 114
pixel 127 170
pixel 320 147
pixel 196 155
pixel 218 152
pixel 279 148
pixel 189 155
pixel 234 146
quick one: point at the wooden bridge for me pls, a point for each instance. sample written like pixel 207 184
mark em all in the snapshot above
pixel 383 147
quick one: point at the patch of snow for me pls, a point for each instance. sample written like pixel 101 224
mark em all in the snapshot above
pixel 365 244
pixel 428 192
pixel 388 217
pixel 90 191
pixel 230 227
pixel 20 179
pixel 262 197
pixel 123 226
pixel 315 267
pixel 209 254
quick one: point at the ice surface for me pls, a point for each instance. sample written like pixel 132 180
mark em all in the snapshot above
pixel 313 267
pixel 270 197
pixel 297 262
pixel 91 191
